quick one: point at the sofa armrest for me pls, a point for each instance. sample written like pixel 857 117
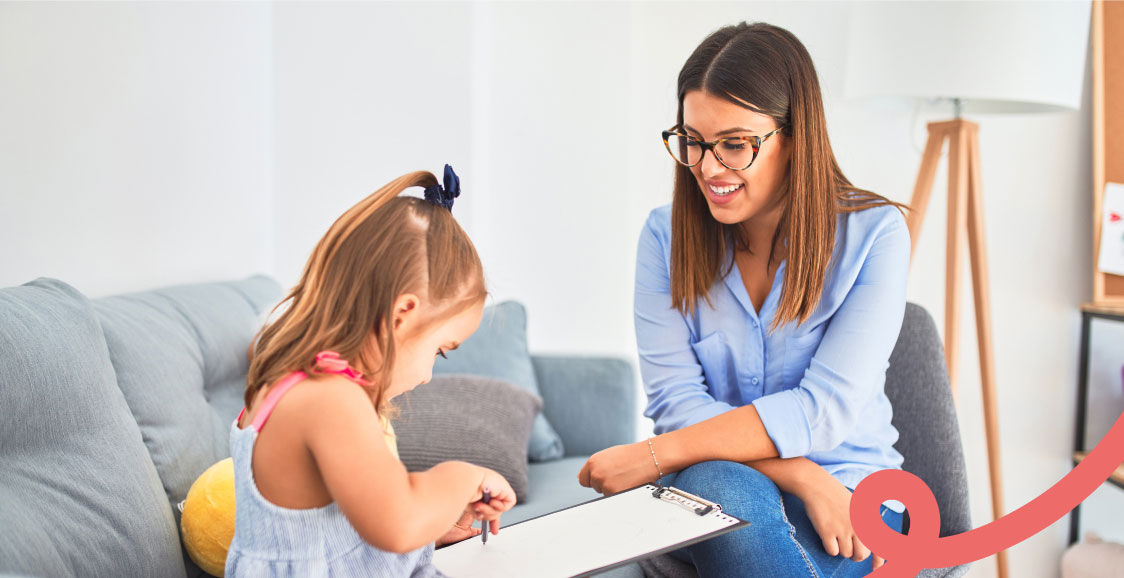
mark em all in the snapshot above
pixel 590 401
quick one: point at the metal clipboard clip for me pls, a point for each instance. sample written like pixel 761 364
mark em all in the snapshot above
pixel 687 500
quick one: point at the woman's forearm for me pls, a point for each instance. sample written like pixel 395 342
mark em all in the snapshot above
pixel 736 436
pixel 793 475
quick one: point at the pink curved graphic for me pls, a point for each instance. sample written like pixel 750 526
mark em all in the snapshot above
pixel 906 555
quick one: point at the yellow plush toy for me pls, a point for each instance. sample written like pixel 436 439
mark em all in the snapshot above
pixel 207 524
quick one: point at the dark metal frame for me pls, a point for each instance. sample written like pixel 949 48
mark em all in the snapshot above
pixel 1083 401
pixel 754 143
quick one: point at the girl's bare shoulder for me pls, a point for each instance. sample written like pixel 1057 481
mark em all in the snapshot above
pixel 327 399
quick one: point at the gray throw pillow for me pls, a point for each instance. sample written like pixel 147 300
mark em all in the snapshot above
pixel 499 349
pixel 180 354
pixel 467 418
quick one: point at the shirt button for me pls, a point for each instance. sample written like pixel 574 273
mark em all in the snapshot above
pixel 754 381
pixel 755 324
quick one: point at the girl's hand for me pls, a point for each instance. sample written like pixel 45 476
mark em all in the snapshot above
pixel 828 504
pixel 461 530
pixel 502 499
pixel 619 468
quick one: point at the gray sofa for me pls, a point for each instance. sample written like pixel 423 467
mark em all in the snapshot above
pixel 110 408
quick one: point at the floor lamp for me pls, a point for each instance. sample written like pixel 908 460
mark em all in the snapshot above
pixel 965 215
pixel 933 51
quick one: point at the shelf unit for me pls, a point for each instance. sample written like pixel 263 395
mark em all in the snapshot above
pixel 1107 50
pixel 1089 312
pixel 1117 477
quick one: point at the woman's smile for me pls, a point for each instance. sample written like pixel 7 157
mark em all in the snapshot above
pixel 720 193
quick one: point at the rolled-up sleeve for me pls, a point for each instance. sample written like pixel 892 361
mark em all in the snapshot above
pixel 673 379
pixel 849 367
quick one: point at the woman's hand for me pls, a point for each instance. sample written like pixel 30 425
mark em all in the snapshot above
pixel 461 530
pixel 828 504
pixel 501 499
pixel 619 468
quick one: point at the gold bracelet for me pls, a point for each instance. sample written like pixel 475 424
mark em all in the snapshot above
pixel 653 450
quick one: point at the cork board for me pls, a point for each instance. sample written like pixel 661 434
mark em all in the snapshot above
pixel 1108 128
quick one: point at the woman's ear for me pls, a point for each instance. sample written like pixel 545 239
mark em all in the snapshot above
pixel 406 312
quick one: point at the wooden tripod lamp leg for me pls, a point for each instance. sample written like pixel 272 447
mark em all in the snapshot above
pixel 957 223
pixel 920 201
pixel 965 213
pixel 977 250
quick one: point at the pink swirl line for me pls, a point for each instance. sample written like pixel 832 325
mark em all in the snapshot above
pixel 906 555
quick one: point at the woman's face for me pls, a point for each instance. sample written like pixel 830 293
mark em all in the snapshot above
pixel 736 196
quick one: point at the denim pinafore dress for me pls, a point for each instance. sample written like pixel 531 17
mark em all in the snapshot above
pixel 271 541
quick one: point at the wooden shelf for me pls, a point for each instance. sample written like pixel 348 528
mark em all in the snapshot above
pixel 1117 477
pixel 1111 308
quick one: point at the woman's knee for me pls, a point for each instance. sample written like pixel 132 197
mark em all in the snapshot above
pixel 767 544
pixel 723 474
pixel 740 489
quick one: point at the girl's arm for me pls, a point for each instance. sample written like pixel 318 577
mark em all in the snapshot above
pixel 389 507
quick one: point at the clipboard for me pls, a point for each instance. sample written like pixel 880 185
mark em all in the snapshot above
pixel 591 537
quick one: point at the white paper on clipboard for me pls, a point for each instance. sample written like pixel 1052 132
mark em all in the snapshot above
pixel 591 537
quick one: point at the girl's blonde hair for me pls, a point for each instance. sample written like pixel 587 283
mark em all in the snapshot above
pixel 381 248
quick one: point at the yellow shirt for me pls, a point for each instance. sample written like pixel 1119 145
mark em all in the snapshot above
pixel 388 434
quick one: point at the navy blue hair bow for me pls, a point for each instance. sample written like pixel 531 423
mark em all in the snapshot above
pixel 444 196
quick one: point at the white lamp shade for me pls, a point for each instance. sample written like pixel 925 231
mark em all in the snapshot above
pixel 995 56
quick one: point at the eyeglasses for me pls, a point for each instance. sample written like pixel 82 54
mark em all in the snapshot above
pixel 735 153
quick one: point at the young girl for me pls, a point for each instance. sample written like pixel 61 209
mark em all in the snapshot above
pixel 769 296
pixel 319 490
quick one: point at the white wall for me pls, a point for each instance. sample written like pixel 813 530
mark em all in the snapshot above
pixel 135 146
pixel 220 140
pixel 363 93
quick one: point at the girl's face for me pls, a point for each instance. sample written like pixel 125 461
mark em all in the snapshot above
pixel 417 350
pixel 736 196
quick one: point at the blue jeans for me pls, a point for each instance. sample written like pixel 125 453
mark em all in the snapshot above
pixel 780 541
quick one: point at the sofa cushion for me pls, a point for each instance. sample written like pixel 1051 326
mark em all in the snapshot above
pixel 79 495
pixel 433 426
pixel 181 357
pixel 553 486
pixel 499 349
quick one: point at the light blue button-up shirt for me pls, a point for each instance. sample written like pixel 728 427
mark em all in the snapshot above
pixel 818 387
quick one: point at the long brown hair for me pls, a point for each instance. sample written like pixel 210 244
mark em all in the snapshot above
pixel 381 248
pixel 767 70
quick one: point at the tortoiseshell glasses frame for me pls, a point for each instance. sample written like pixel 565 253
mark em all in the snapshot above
pixel 731 144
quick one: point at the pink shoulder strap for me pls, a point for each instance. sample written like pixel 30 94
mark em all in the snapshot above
pixel 274 396
pixel 326 362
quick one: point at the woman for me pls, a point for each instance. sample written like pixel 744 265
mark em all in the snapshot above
pixel 769 296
